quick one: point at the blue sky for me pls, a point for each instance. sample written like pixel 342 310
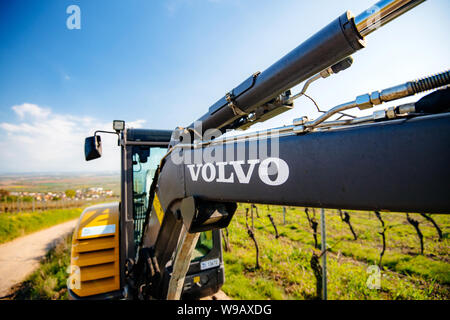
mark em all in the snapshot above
pixel 161 64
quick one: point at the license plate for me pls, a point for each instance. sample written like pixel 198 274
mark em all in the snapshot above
pixel 209 264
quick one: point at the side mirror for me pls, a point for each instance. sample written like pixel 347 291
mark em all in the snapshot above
pixel 92 148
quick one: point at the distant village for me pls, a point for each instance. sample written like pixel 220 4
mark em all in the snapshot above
pixel 78 194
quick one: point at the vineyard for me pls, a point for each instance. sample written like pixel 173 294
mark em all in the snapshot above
pixel 259 265
pixel 410 251
pixel 20 205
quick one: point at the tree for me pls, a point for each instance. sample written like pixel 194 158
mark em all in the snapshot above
pixel 274 226
pixel 415 224
pixel 251 234
pixel 4 194
pixel 429 218
pixel 70 193
pixel 346 218
pixel 313 224
pixel 383 236
pixel 317 270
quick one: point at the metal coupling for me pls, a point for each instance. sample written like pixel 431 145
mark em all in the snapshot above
pixel 396 92
pixel 406 108
pixel 390 113
pixel 379 115
pixel 300 121
pixel 363 102
pixel 299 124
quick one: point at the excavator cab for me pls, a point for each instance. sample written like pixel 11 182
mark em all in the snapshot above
pixel 108 238
pixel 206 274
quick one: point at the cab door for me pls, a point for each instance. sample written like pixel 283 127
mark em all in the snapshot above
pixel 203 276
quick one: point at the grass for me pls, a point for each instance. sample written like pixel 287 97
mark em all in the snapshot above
pixel 48 282
pixel 285 271
pixel 14 225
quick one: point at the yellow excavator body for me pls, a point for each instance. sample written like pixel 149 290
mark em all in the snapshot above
pixel 95 251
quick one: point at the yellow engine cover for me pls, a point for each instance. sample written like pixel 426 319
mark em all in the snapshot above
pixel 94 263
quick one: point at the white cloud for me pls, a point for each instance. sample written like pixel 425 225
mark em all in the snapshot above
pixel 135 124
pixel 31 110
pixel 46 141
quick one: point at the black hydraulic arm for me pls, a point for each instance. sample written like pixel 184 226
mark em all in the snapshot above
pixel 338 40
pixel 399 165
pixel 330 45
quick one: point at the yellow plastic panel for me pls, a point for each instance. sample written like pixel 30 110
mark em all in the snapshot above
pixel 94 258
pixel 94 244
pixel 98 272
pixel 95 251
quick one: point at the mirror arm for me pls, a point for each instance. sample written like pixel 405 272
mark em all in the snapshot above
pixel 111 132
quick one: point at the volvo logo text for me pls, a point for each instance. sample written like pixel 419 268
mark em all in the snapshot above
pixel 271 171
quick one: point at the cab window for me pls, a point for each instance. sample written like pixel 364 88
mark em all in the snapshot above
pixel 146 160
pixel 204 245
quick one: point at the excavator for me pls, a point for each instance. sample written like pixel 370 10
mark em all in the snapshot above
pixel 180 187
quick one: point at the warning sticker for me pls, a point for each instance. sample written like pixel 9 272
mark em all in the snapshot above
pixel 159 211
pixel 98 230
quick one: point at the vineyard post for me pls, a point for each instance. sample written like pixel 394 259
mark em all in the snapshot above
pixel 324 254
pixel 284 215
pixel 33 204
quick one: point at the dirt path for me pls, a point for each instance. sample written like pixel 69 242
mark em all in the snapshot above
pixel 19 257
